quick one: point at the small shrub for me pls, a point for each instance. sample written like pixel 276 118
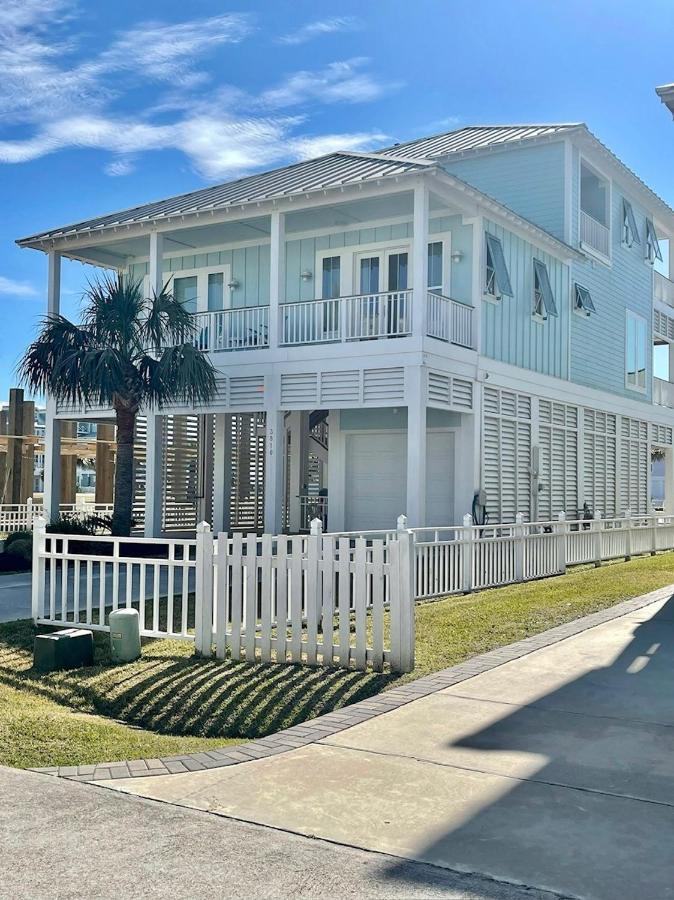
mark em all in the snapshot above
pixel 22 548
pixel 17 536
pixel 79 523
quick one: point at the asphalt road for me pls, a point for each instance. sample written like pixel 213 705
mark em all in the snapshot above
pixel 71 840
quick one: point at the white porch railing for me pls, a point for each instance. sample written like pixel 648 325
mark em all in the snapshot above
pixel 313 507
pixel 449 320
pixel 663 289
pixel 594 235
pixel 663 393
pixel 362 317
pixel 233 329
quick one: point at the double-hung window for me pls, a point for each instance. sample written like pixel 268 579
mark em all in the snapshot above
pixel 497 279
pixel 630 234
pixel 652 251
pixel 636 351
pixel 544 302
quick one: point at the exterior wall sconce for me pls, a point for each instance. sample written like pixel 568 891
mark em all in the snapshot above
pixel 306 275
pixel 456 256
pixel 233 284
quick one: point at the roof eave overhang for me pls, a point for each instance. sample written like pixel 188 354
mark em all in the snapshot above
pixel 64 243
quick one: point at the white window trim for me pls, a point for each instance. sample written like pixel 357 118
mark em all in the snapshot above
pixel 590 251
pixel 630 314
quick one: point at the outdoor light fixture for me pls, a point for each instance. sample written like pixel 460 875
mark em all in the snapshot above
pixel 306 275
pixel 456 256
pixel 233 284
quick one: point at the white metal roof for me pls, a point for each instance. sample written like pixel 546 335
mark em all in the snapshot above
pixel 474 137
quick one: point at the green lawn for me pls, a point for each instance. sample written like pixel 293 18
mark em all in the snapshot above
pixel 172 702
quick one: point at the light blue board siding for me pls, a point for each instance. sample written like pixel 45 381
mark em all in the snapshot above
pixel 510 333
pixel 461 279
pixel 529 180
pixel 598 341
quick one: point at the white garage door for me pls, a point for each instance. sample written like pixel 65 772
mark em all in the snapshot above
pixel 440 478
pixel 375 479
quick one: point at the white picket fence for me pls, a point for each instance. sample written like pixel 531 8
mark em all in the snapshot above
pixel 19 516
pixel 304 599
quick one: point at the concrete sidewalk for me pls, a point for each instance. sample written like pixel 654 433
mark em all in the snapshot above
pixel 554 771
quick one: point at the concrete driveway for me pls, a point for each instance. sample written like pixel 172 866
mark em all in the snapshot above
pixel 554 771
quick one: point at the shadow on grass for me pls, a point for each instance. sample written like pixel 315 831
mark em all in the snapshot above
pixel 172 691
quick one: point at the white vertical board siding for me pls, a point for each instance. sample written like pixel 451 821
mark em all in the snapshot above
pixel 558 461
pixel 634 464
pixel 600 476
pixel 506 454
pixel 510 333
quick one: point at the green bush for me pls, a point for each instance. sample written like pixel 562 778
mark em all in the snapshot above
pixel 22 549
pixel 17 536
pixel 79 523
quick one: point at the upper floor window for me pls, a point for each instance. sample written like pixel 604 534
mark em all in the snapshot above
pixel 216 291
pixel 594 210
pixel 636 351
pixel 544 302
pixel 582 301
pixel 331 277
pixel 497 279
pixel 653 251
pixel 630 235
pixel 435 279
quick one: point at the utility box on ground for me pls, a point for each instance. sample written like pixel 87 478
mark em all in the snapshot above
pixel 66 649
pixel 124 635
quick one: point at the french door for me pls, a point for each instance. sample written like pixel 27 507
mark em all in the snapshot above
pixel 382 280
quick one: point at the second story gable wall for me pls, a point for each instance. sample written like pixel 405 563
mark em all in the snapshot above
pixel 510 332
pixel 528 180
pixel 598 341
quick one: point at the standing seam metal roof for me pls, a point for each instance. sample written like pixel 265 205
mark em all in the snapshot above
pixel 472 138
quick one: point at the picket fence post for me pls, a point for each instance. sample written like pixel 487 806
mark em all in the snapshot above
pixel 29 512
pixel 37 589
pixel 519 547
pixel 561 529
pixel 596 530
pixel 628 535
pixel 314 596
pixel 401 552
pixel 467 554
pixel 203 593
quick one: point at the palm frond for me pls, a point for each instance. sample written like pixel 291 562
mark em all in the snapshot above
pixel 181 374
pixel 115 312
pixel 50 363
pixel 167 323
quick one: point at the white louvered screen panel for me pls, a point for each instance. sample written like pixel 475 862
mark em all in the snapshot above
pixel 299 390
pixel 139 456
pixel 663 325
pixel 340 387
pixel 634 464
pixel 449 391
pixel 246 392
pixel 558 442
pixel 384 385
pixel 599 462
pixel 246 436
pixel 661 434
pixel 182 479
pixel 506 459
pixel 462 393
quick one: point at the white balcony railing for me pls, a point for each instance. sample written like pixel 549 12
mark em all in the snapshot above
pixel 313 507
pixel 363 317
pixel 663 393
pixel 663 289
pixel 594 235
pixel 449 320
pixel 233 329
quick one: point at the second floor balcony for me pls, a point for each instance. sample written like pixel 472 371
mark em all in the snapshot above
pixel 365 317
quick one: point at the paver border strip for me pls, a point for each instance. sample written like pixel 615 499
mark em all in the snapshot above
pixel 314 730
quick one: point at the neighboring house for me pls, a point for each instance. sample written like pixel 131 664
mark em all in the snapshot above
pixel 666 94
pixel 396 331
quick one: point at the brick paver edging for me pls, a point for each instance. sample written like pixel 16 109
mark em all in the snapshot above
pixel 316 729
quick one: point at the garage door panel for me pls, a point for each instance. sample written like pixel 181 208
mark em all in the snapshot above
pixel 376 479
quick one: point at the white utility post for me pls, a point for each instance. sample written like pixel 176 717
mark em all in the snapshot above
pixel 153 448
pixel 415 386
pixel 52 444
pixel 277 274
pixel 420 262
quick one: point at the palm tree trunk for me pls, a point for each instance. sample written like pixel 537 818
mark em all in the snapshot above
pixel 126 428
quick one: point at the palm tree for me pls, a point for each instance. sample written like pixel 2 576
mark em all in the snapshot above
pixel 129 352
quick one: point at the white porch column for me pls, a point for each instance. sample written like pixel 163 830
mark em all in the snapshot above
pixel 222 473
pixel 277 274
pixel 153 475
pixel 52 432
pixel 415 381
pixel 155 272
pixel 420 261
pixel 273 470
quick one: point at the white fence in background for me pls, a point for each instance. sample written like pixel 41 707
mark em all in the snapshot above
pixel 19 516
pixel 304 599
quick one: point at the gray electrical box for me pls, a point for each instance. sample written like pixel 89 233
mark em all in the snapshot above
pixel 124 635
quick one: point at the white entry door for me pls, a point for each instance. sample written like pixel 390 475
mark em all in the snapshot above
pixel 440 478
pixel 376 479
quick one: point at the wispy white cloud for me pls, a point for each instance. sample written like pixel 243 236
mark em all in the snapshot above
pixel 224 131
pixel 12 288
pixel 315 29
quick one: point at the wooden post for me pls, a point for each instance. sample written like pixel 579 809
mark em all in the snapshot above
pixel 105 466
pixel 68 462
pixel 37 598
pixel 203 595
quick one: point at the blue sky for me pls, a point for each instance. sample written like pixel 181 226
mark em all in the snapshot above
pixel 103 106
